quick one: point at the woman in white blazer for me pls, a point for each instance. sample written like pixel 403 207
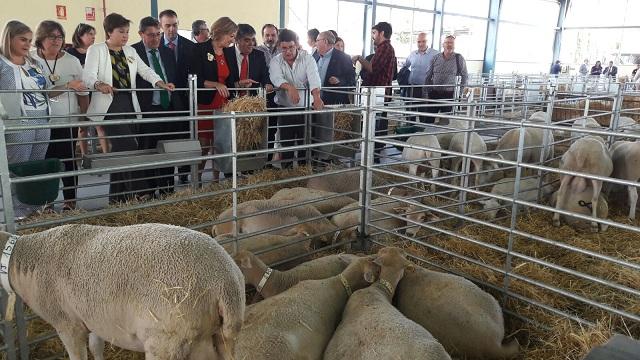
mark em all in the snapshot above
pixel 111 68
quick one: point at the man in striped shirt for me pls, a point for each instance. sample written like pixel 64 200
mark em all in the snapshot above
pixel 445 68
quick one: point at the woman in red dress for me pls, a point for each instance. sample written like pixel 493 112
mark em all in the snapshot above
pixel 210 62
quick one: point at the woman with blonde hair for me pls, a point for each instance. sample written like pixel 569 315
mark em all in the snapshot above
pixel 210 62
pixel 111 68
pixel 20 71
pixel 61 68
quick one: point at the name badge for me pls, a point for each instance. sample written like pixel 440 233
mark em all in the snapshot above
pixel 210 56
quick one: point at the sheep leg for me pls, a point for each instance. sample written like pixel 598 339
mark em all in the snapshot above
pixel 435 171
pixel 597 187
pixel 96 346
pixel 633 200
pixel 562 195
pixel 75 342
pixel 224 346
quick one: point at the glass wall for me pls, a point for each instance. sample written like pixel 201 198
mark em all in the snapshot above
pixel 586 35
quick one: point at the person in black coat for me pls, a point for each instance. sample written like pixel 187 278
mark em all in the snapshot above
pixel 338 71
pixel 257 69
pixel 162 60
pixel 610 70
pixel 182 49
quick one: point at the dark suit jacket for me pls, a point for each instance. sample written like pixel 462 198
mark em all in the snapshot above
pixel 145 98
pixel 183 62
pixel 341 67
pixel 208 70
pixel 614 71
pixel 258 68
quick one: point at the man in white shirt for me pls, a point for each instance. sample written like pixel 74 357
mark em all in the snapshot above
pixel 291 72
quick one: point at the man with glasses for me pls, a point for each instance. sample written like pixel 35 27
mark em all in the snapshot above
pixel 154 103
pixel 334 67
pixel 199 31
pixel 291 71
pixel 445 67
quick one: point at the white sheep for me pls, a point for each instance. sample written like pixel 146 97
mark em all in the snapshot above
pixel 477 146
pixel 372 328
pixel 349 221
pixel 272 248
pixel 445 138
pixel 467 321
pixel 432 157
pixel 628 125
pixel 580 202
pixel 343 182
pixel 276 217
pixel 528 192
pixel 587 155
pixel 299 194
pixel 167 291
pixel 539 116
pixel 584 123
pixel 509 142
pixel 274 282
pixel 626 166
pixel 298 323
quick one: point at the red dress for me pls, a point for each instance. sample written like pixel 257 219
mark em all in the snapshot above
pixel 205 127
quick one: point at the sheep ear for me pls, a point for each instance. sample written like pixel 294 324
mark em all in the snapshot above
pixel 345 258
pixel 377 261
pixel 369 276
pixel 243 262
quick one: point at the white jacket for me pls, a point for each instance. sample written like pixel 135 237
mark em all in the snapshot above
pixel 97 67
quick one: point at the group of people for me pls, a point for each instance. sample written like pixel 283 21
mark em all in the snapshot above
pixel 597 70
pixel 53 84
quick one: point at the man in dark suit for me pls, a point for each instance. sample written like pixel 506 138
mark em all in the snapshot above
pixel 250 66
pixel 163 62
pixel 610 70
pixel 335 68
pixel 182 49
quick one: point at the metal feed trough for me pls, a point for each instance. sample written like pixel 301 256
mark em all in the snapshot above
pixel 223 145
pixel 166 150
pixel 323 128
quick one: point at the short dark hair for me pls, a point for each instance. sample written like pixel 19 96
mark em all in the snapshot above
pixel 245 30
pixel 384 27
pixel 268 26
pixel 196 25
pixel 114 21
pixel 335 33
pixel 313 33
pixel 167 12
pixel 287 35
pixel 146 22
pixel 46 28
pixel 79 33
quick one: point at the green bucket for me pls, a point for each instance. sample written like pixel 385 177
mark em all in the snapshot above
pixel 401 130
pixel 37 192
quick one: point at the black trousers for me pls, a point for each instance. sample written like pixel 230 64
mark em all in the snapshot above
pixel 292 131
pixel 150 134
pixel 124 185
pixel 437 95
pixel 420 93
pixel 382 126
pixel 65 151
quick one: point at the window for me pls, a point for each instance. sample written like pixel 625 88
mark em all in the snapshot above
pixel 530 48
pixel 542 13
pixel 350 25
pixel 470 34
pixel 466 7
pixel 603 13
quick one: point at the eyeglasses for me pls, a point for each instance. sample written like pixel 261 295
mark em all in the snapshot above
pixel 55 37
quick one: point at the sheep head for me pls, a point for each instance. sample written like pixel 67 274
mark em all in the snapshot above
pixel 251 266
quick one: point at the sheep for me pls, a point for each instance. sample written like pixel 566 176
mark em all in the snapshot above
pixel 298 323
pixel 445 138
pixel 467 321
pixel 275 281
pixel 371 328
pixel 588 155
pixel 432 157
pixel 583 123
pixel 276 217
pixel 477 146
pixel 581 203
pixel 167 291
pixel 348 221
pixel 299 194
pixel 539 116
pixel 626 166
pixel 339 183
pixel 528 192
pixel 628 125
pixel 273 248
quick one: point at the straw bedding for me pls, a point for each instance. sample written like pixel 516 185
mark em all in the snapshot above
pixel 565 340
pixel 249 130
pixel 342 124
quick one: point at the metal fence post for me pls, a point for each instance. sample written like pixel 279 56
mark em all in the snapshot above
pixel 234 187
pixel 545 139
pixel 193 129
pixel 307 126
pixel 367 146
pixel 8 331
pixel 616 107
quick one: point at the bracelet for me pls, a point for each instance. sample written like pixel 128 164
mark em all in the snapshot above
pixel 97 83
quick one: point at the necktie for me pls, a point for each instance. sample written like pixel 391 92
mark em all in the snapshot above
pixel 244 71
pixel 172 46
pixel 164 95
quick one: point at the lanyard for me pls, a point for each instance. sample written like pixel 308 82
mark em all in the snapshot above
pixel 53 77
